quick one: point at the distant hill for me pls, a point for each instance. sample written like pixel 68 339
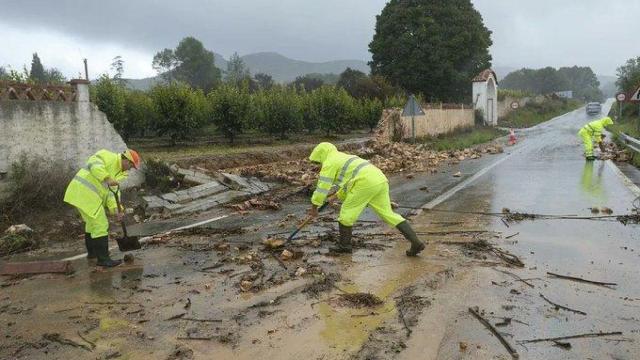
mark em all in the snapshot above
pixel 281 68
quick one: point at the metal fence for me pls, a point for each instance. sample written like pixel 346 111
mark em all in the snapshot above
pixel 631 143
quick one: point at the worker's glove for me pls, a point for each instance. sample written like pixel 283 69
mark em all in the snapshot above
pixel 111 182
pixel 120 216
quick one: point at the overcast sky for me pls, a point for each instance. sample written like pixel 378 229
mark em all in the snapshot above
pixel 532 33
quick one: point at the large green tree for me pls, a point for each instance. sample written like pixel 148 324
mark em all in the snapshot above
pixel 237 71
pixel 629 75
pixel 433 47
pixel 189 62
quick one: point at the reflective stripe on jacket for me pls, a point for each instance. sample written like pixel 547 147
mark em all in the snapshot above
pixel 87 190
pixel 340 172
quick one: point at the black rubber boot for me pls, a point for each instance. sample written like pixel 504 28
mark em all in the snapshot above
pixel 416 245
pixel 89 243
pixel 344 244
pixel 101 246
pixel 590 158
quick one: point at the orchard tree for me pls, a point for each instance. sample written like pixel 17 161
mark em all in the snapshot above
pixel 279 111
pixel 189 62
pixel 230 110
pixel 307 82
pixel 140 113
pixel 371 112
pixel 431 47
pixel 333 109
pixel 180 110
pixel 110 98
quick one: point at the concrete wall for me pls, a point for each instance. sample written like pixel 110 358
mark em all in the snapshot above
pixel 55 130
pixel 504 106
pixel 434 122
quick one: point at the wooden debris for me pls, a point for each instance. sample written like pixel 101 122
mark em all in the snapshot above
pixel 177 316
pixel 558 306
pixel 588 335
pixel 572 278
pixel 55 337
pixel 487 324
pixel 524 281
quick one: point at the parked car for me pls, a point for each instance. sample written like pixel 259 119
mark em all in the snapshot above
pixel 593 108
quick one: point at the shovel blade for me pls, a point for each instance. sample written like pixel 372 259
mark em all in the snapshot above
pixel 128 243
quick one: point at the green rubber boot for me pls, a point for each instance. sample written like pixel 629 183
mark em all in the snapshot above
pixel 344 244
pixel 101 246
pixel 416 245
pixel 89 243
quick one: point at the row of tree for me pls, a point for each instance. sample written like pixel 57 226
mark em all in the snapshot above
pixel 177 110
pixel 37 74
pixel 581 80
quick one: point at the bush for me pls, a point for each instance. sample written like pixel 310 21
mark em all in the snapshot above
pixel 35 184
pixel 372 113
pixel 159 177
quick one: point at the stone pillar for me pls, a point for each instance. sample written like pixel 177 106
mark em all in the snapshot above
pixel 82 89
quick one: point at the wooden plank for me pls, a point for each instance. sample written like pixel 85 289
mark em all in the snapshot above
pixel 211 202
pixel 37 267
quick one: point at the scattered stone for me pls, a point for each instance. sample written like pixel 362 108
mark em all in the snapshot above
pixel 606 210
pixel 181 352
pixel 458 174
pixel 110 354
pixel 20 229
pixel 286 255
pixel 128 258
pixel 273 243
pixel 246 285
pixel 463 346
pixel 595 210
pixel 301 271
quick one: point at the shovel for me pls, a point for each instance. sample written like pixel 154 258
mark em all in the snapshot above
pixel 305 222
pixel 125 243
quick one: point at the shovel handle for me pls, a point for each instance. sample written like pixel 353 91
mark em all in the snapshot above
pixel 305 222
pixel 115 194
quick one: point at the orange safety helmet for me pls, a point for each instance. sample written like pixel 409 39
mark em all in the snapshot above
pixel 133 157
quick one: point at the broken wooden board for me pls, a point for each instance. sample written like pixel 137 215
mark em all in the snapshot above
pixel 36 267
pixel 211 202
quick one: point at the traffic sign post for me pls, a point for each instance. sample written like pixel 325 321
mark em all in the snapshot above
pixel 412 108
pixel 621 97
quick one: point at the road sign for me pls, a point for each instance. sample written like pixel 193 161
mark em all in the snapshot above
pixel 412 107
pixel 515 105
pixel 636 96
pixel 621 97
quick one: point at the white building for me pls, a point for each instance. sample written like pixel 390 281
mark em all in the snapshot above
pixel 485 96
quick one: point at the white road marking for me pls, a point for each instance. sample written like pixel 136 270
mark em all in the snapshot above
pixel 628 183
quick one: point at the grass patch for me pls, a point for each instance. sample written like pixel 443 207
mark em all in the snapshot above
pixel 462 139
pixel 535 113
pixel 34 184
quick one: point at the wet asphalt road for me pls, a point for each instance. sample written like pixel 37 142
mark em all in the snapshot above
pixel 548 175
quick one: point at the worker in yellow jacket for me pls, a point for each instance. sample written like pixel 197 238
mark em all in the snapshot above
pixel 89 193
pixel 593 131
pixel 358 184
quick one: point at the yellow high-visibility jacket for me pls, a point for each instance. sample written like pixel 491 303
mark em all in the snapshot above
pixel 341 172
pixel 87 190
pixel 595 128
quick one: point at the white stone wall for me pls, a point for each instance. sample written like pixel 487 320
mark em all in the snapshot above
pixel 485 98
pixel 70 131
